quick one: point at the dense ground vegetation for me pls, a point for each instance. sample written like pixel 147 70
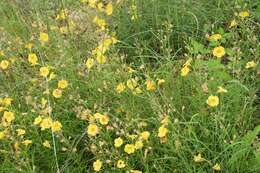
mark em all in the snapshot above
pixel 135 86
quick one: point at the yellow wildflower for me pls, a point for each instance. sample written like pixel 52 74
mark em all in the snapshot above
pixel 145 135
pixel 219 51
pixel 120 164
pixel 8 116
pixel 46 144
pixel 56 126
pixel 198 158
pixel 215 37
pixel 120 87
pixel 57 93
pixel 129 148
pixel 46 123
pixel 109 9
pixel 150 86
pixel 27 142
pixel 216 167
pixel 20 132
pixel 62 84
pixel 243 14
pixel 251 64
pixel 44 71
pixel 4 64
pixel 44 37
pixel 32 58
pixel 185 71
pixel 90 62
pixel 162 132
pixel 213 101
pixel 97 165
pixel 118 142
pixel 221 90
pixel 37 120
pixel 92 130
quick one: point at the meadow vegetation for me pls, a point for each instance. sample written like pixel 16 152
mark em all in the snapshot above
pixel 133 86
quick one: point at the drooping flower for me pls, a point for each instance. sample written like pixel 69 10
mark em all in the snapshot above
pixel 150 86
pixel 20 132
pixel 215 37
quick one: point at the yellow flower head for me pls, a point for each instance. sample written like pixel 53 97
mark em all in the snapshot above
pixel 139 145
pixel 101 59
pixel 135 171
pixel 4 64
pixel 46 123
pixel 97 165
pixel 215 37
pixel 145 135
pixel 120 87
pixel 120 164
pixel 37 120
pixel 131 83
pixel 104 119
pixel 92 130
pixel 27 142
pixel 62 84
pixel 56 126
pixel 57 93
pixel 129 148
pixel 160 82
pixel 8 116
pixel 251 64
pixel 90 63
pixel 221 90
pixel 185 71
pixel 109 9
pixel 198 158
pixel 44 71
pixel 213 101
pixel 118 142
pixel 219 51
pixel 244 14
pixel 162 132
pixel 46 144
pixel 233 23
pixel 32 58
pixel 44 37
pixel 20 132
pixel 150 86
pixel 216 167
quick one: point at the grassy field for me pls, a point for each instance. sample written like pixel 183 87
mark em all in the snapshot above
pixel 129 86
